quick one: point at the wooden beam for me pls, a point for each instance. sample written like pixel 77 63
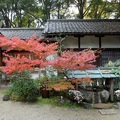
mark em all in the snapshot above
pixel 78 35
pixel 0 56
pixel 99 35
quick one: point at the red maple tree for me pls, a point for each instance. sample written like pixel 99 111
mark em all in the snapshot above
pixel 68 60
pixel 33 45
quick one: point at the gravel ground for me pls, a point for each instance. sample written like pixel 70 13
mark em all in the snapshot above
pixel 10 110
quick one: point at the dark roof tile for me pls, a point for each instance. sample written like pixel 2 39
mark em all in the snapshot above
pixel 89 26
pixel 23 33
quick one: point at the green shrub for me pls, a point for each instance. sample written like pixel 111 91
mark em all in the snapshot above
pixel 23 88
pixel 7 92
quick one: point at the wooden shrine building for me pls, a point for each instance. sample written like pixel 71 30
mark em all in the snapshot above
pixel 101 34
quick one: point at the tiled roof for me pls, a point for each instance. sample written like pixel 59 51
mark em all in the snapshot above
pixel 88 26
pixel 23 33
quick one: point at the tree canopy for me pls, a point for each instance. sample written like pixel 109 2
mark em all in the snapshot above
pixel 68 60
pixel 19 13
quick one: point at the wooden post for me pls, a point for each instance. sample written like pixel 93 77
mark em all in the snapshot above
pixel 78 41
pixel 111 90
pixel 99 41
pixel 76 86
pixel 0 56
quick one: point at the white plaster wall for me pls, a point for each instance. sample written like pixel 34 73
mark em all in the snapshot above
pixel 71 42
pixel 110 42
pixel 52 57
pixel 49 71
pixel 85 42
pixel 89 42
pixel 35 75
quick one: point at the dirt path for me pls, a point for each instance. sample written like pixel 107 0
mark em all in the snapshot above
pixel 10 110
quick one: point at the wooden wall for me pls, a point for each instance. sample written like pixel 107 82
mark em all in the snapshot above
pixel 109 44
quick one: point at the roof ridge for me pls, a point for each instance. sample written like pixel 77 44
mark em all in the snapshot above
pixel 21 28
pixel 83 20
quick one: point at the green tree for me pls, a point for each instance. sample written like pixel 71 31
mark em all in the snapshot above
pixel 101 9
pixel 54 9
pixel 61 9
pixel 97 9
pixel 6 13
pixel 19 13
pixel 116 8
pixel 81 5
pixel 46 6
pixel 23 12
